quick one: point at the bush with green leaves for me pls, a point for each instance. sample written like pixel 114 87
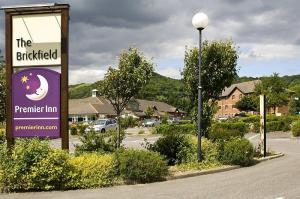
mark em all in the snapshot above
pixel 52 172
pixel 296 129
pixel 128 122
pixel 98 142
pixel 33 165
pixel 173 128
pixel 210 150
pixel 175 147
pixel 219 134
pixel 93 170
pixel 141 166
pixel 238 151
pixel 73 129
pixel 182 148
pixel 272 126
pixel 240 127
pixel 2 135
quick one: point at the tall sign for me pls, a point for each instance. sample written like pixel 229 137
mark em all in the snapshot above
pixel 263 125
pixel 36 103
pixel 37 98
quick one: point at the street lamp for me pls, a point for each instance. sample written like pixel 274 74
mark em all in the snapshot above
pixel 199 21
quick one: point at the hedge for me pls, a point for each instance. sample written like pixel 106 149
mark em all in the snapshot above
pixel 272 126
pixel 296 129
pixel 93 170
pixel 241 127
pixel 173 128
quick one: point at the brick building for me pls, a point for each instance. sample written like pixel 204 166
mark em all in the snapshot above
pixel 231 95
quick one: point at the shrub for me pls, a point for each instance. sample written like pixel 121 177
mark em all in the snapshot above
pixel 210 150
pixel 52 172
pixel 93 170
pixel 128 122
pixel 238 151
pixel 172 128
pixel 81 128
pixel 241 127
pixel 17 167
pixel 272 126
pixel 2 136
pixel 218 133
pixel 140 166
pixel 250 119
pixel 296 129
pixel 185 121
pixel 98 142
pixel 73 129
pixel 173 146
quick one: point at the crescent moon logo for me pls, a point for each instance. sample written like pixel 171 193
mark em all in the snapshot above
pixel 41 92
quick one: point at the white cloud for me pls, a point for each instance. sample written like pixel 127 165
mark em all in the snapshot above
pixel 85 75
pixel 170 72
pixel 271 51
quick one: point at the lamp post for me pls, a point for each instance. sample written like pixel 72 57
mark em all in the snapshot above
pixel 199 21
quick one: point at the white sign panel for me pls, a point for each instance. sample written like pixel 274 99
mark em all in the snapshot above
pixel 36 40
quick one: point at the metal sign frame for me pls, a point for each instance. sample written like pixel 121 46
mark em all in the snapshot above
pixel 63 9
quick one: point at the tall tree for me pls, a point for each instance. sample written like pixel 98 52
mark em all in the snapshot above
pixel 247 103
pixel 294 104
pixel 275 90
pixel 120 85
pixel 218 70
pixel 2 89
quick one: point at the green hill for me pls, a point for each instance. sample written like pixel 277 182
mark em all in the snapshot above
pixel 165 89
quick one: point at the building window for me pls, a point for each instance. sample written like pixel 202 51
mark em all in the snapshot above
pixel 226 107
pixel 220 107
pixel 241 95
pixel 233 97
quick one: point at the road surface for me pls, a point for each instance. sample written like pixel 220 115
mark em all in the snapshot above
pixel 273 179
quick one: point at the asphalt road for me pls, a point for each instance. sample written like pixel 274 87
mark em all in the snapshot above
pixel 274 179
pixel 132 139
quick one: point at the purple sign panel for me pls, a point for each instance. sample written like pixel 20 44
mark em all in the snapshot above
pixel 36 103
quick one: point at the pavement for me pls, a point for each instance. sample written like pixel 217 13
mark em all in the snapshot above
pixel 273 179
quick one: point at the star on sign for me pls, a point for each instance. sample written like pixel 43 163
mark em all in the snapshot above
pixel 24 79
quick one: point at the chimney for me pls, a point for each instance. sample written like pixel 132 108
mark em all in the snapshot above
pixel 94 92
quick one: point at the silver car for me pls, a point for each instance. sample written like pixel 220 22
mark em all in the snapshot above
pixel 104 125
pixel 150 122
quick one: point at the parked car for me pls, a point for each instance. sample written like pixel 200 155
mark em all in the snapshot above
pixel 103 125
pixel 240 114
pixel 150 122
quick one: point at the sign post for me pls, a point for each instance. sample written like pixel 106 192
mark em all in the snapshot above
pixel 263 125
pixel 37 38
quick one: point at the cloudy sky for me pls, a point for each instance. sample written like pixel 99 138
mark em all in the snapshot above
pixel 266 32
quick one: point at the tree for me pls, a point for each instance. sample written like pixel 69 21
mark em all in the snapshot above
pixel 149 111
pixel 2 90
pixel 218 70
pixel 294 104
pixel 247 103
pixel 275 90
pixel 120 85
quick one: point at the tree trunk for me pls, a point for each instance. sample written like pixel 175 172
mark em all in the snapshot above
pixel 119 132
pixel 274 108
